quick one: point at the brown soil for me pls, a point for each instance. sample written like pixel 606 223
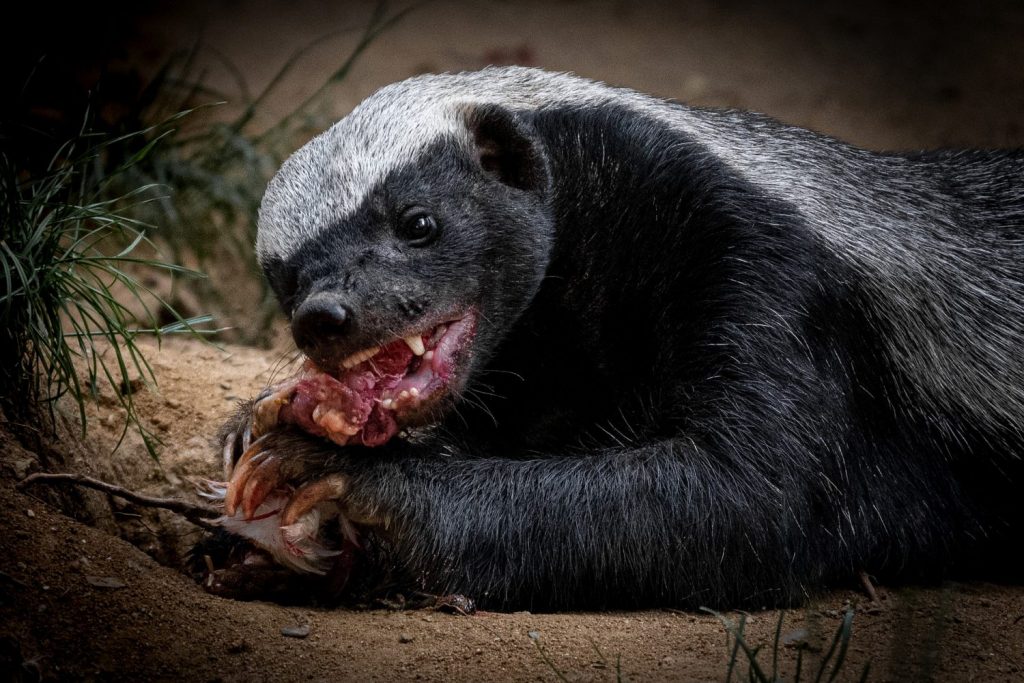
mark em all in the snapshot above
pixel 79 601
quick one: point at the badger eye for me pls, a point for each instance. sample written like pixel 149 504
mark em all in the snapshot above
pixel 419 228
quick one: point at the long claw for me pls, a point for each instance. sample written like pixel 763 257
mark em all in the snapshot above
pixel 228 455
pixel 265 414
pixel 269 403
pixel 243 468
pixel 308 495
pixel 265 478
pixel 247 437
pixel 237 486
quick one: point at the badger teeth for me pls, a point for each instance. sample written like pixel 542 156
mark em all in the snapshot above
pixel 415 343
pixel 360 356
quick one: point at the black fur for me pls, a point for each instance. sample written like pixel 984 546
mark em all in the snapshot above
pixel 680 394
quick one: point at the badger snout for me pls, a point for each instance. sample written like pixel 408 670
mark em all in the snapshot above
pixel 321 321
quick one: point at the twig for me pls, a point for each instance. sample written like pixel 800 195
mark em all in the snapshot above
pixel 197 514
pixel 869 587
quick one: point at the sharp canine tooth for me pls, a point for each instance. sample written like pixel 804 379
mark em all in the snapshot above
pixel 415 343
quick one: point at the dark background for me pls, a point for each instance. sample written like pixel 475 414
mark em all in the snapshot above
pixel 880 74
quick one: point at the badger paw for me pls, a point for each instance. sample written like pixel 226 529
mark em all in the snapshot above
pixel 276 495
pixel 253 420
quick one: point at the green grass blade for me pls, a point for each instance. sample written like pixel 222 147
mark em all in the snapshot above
pixel 845 632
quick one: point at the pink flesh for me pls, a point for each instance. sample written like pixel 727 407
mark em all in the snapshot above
pixel 357 393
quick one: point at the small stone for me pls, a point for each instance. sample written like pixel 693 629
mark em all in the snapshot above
pixel 534 635
pixel 797 636
pixel 405 638
pixel 300 631
pixel 30 513
pixel 172 403
pixel 105 582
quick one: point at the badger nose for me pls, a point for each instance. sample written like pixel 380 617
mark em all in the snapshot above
pixel 319 321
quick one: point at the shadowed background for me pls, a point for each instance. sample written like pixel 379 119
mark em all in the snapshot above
pixel 883 75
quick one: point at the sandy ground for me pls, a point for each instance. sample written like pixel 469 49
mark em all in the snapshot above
pixel 89 602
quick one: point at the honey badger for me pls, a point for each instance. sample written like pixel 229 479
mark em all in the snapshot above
pixel 574 346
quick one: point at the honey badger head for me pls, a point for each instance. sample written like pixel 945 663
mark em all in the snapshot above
pixel 405 240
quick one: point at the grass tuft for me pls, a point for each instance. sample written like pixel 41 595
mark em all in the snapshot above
pixel 829 668
pixel 78 270
pixel 61 278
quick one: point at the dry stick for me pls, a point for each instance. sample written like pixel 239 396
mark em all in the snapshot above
pixel 197 514
pixel 869 587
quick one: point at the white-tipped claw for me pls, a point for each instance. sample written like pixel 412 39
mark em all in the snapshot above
pixel 246 437
pixel 228 454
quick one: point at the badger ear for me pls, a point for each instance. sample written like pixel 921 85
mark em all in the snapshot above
pixel 507 148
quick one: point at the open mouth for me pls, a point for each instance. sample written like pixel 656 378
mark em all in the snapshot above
pixel 367 397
